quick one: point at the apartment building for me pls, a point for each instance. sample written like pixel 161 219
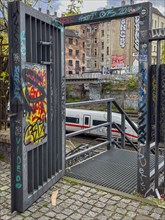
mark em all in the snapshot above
pixel 74 53
pixel 109 46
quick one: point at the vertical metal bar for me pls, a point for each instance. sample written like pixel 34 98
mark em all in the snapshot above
pixel 28 36
pixel 41 168
pixel 49 104
pixel 123 129
pixel 143 180
pixel 36 168
pixel 39 38
pixel 34 40
pixel 109 127
pixel 157 113
pixel 63 96
pixel 58 96
pixel 30 171
pixel 54 100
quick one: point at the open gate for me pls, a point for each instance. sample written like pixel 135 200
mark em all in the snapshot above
pixel 37 103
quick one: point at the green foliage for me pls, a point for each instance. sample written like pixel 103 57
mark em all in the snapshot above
pixel 163 53
pixel 73 8
pixel 108 86
pixel 132 83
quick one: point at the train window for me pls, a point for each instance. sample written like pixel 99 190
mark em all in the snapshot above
pixel 72 120
pixel 98 122
pixel 86 121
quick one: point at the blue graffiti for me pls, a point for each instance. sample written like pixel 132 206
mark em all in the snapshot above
pixel 23 48
pixel 16 80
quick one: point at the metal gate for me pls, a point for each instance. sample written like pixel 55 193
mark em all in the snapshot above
pixel 37 103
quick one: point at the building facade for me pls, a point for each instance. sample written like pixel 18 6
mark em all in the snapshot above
pixel 109 46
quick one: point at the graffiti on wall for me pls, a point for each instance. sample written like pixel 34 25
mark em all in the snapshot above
pixel 136 33
pixel 118 61
pixel 122 33
pixel 35 104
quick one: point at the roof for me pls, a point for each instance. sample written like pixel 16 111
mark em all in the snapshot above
pixel 71 33
pixel 156 11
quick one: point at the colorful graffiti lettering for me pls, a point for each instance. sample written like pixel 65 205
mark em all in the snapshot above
pixel 18 133
pixel 101 14
pixel 122 32
pixel 22 40
pixel 35 104
pixel 136 32
pixel 118 61
pixel 17 83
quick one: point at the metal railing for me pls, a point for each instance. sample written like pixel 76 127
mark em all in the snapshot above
pixel 110 141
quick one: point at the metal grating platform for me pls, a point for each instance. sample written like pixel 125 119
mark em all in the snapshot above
pixel 116 169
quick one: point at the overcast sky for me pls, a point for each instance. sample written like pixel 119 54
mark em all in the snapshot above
pixel 93 5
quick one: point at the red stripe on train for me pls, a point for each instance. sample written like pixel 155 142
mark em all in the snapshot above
pixel 86 126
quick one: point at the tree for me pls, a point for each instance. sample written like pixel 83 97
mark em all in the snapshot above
pixel 73 8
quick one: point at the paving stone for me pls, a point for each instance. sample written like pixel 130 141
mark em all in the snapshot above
pixel 85 188
pixel 61 216
pixel 143 211
pixel 101 217
pixel 121 211
pixel 131 214
pixel 92 214
pixel 82 211
pixel 100 204
pixel 116 216
pixel 158 210
pixel 116 198
pixel 96 209
pixel 51 214
pixel 67 211
pixel 76 216
pixel 87 206
pixel 142 217
pixel 155 216
pixel 37 215
pixel 44 210
pixel 44 218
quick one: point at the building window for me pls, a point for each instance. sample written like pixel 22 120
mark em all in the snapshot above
pixel 102 33
pixel 77 53
pixel 155 24
pixel 162 25
pixel 70 52
pixel 70 63
pixel 102 57
pixel 83 31
pixel 77 63
pixel 102 45
pixel 95 40
pixel 83 69
pixel 83 57
pixel 95 52
pixel 83 44
pixel 88 30
pixel 95 63
pixel 70 40
pixel 70 72
pixel 76 41
pixel 107 50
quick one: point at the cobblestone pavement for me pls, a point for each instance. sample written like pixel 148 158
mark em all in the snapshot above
pixel 78 200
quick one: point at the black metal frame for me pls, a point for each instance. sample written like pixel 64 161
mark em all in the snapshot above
pixel 37 104
pixel 144 11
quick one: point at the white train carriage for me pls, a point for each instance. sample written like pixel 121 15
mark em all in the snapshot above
pixel 77 119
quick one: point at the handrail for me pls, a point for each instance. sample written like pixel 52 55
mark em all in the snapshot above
pixel 109 141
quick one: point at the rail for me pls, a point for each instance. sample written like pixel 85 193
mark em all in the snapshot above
pixel 110 141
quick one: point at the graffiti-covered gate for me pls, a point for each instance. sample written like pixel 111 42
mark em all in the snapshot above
pixel 37 103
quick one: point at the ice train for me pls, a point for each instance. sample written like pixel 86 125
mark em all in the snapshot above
pixel 77 119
